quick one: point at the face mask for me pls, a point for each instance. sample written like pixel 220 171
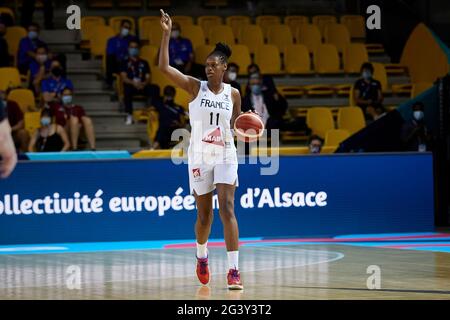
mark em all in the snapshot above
pixel 418 115
pixel 41 58
pixel 124 32
pixel 175 34
pixel 256 89
pixel 45 121
pixel 67 99
pixel 314 149
pixel 367 75
pixel 57 71
pixel 232 76
pixel 133 52
pixel 32 35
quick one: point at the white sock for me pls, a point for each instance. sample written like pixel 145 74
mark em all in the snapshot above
pixel 233 260
pixel 202 251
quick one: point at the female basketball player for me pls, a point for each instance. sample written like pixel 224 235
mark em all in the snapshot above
pixel 212 154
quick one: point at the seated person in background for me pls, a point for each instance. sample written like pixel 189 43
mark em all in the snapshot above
pixel 367 91
pixel 315 144
pixel 181 55
pixel 77 119
pixel 53 86
pixel 39 68
pixel 415 136
pixel 267 81
pixel 136 77
pixel 27 48
pixel 270 106
pixel 16 120
pixel 5 61
pixel 50 137
pixel 117 50
pixel 231 76
pixel 171 117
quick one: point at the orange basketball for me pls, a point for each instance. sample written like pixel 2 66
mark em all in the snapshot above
pixel 248 127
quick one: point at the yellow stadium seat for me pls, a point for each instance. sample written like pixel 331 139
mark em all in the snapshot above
pixel 13 36
pixel 206 22
pixel 241 56
pixel 350 119
pixel 267 57
pixel 419 88
pixel 87 29
pixel 334 137
pixel 202 52
pixel 154 36
pixel 159 153
pixel 356 25
pixel 160 79
pixel 309 35
pixel 32 121
pixel 265 21
pixel 281 36
pixel 236 23
pixel 100 37
pixel 319 120
pixel 147 23
pixel 221 33
pixel 115 22
pixel 195 34
pixel 326 59
pixel 380 75
pixel 354 55
pixel 9 78
pixel 182 98
pixel 297 59
pixel 183 21
pixel 282 151
pixel 252 36
pixel 150 54
pixel 8 11
pixel 338 35
pixel 24 98
pixel 321 20
pixel 294 22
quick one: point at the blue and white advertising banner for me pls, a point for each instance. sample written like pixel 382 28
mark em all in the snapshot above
pixel 138 200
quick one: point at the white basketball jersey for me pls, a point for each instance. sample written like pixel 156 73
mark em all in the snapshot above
pixel 210 116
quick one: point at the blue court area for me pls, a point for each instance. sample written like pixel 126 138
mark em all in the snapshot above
pixel 429 241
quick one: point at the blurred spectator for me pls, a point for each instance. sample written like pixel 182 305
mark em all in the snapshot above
pixel 4 51
pixel 267 81
pixel 27 48
pixel 181 55
pixel 415 136
pixel 135 74
pixel 50 137
pixel 171 117
pixel 268 104
pixel 117 50
pixel 231 76
pixel 367 91
pixel 39 68
pixel 315 144
pixel 77 118
pixel 16 120
pixel 28 7
pixel 53 86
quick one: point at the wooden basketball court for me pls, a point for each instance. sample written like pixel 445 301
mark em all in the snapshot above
pixel 302 271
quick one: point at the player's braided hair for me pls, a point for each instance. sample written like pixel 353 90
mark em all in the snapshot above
pixel 222 51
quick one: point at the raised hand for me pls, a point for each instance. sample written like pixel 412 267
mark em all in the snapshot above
pixel 166 22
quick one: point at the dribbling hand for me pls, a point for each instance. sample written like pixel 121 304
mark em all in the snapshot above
pixel 166 22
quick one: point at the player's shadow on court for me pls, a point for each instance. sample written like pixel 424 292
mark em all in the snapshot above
pixel 204 293
pixel 375 290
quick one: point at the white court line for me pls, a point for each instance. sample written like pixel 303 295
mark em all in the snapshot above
pixel 338 256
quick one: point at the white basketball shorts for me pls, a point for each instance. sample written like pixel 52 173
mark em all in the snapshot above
pixel 204 177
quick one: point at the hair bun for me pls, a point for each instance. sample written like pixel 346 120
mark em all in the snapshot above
pixel 223 48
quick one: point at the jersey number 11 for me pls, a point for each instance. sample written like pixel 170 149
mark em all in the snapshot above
pixel 212 118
